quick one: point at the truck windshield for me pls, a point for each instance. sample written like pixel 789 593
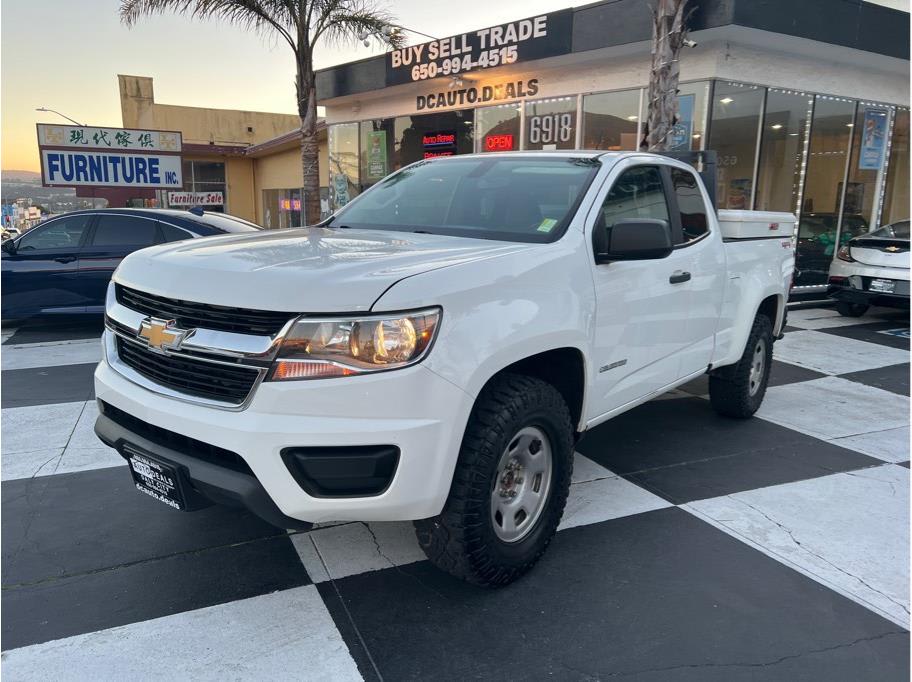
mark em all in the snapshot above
pixel 506 198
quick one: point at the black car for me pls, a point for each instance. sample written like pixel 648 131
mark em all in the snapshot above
pixel 64 264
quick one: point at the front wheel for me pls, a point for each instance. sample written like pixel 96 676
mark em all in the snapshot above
pixel 737 390
pixel 510 485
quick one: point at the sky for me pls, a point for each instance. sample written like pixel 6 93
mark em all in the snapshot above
pixel 66 54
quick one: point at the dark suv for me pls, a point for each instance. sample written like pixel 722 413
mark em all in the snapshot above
pixel 63 265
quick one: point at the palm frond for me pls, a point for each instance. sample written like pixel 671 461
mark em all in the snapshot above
pixel 261 16
pixel 342 21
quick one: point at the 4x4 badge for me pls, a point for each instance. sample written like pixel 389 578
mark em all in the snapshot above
pixel 160 334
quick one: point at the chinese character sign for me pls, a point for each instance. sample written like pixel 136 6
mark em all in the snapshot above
pixel 89 137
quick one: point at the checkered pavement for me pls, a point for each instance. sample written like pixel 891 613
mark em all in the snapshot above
pixel 693 547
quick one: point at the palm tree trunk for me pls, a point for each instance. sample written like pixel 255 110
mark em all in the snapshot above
pixel 310 147
pixel 668 35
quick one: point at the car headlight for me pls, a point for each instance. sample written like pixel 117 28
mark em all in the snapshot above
pixel 319 348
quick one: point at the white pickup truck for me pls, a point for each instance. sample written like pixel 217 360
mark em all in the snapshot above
pixel 433 351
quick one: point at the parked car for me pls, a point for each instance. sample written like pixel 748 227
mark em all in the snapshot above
pixel 64 264
pixel 433 351
pixel 9 233
pixel 872 269
pixel 817 244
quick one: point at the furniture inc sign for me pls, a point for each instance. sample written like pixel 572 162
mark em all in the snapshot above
pixel 547 35
pixel 87 156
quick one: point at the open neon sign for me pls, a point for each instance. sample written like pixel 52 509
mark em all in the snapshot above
pixel 498 143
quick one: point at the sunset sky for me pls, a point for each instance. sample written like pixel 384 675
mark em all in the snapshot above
pixel 66 55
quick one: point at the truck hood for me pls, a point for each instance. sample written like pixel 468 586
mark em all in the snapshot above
pixel 303 270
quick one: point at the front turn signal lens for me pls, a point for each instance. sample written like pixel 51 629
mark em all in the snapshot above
pixel 324 348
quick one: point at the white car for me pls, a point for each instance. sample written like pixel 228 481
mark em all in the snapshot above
pixel 433 351
pixel 872 269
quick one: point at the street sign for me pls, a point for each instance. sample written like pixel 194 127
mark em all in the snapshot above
pixel 90 156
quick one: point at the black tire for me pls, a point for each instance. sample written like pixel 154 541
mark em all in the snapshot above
pixel 736 391
pixel 847 309
pixel 462 539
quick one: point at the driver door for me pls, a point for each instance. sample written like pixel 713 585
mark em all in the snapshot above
pixel 40 275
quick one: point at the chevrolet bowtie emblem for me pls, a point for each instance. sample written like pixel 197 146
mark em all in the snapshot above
pixel 161 334
pixel 892 249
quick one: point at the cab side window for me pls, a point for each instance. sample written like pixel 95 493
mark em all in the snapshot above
pixel 174 234
pixel 692 209
pixel 62 233
pixel 637 194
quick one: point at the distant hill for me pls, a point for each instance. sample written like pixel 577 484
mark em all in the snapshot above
pixel 20 176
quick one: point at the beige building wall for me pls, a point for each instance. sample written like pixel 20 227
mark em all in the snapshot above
pixel 239 188
pixel 217 126
pixel 282 170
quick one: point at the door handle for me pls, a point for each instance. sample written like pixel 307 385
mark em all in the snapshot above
pixel 65 259
pixel 679 276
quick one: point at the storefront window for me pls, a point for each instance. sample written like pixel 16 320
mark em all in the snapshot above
pixel 869 154
pixel 378 150
pixel 204 186
pixel 344 180
pixel 831 132
pixel 551 124
pixel 735 123
pixel 896 193
pixel 426 136
pixel 610 120
pixel 783 149
pixel 282 208
pixel 689 133
pixel 497 128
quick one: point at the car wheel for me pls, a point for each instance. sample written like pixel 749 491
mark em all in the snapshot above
pixel 738 390
pixel 510 485
pixel 847 309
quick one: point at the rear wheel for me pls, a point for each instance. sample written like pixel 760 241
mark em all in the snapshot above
pixel 738 390
pixel 510 485
pixel 847 309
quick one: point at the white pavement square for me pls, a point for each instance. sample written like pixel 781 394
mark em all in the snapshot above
pixel 272 637
pixel 849 531
pixel 832 354
pixel 53 354
pixel 824 318
pixel 832 408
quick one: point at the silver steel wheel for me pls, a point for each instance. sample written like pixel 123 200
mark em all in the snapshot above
pixel 758 365
pixel 521 485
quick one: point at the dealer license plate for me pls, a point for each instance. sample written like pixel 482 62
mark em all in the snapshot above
pixel 156 479
pixel 886 286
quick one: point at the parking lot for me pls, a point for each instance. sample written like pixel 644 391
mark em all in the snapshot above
pixel 693 547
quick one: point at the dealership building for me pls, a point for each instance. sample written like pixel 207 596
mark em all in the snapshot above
pixel 806 104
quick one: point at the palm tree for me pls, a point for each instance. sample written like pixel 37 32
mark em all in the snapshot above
pixel 302 24
pixel 669 35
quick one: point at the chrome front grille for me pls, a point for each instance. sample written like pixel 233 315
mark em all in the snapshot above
pixel 221 356
pixel 224 382
pixel 189 315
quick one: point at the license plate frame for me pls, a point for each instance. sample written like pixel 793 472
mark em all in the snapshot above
pixel 159 479
pixel 882 286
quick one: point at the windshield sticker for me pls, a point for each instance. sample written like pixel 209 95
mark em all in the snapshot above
pixel 547 225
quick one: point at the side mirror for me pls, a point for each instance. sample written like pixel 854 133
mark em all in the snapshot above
pixel 9 246
pixel 643 239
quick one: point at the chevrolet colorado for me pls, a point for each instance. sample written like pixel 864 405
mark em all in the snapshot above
pixel 433 350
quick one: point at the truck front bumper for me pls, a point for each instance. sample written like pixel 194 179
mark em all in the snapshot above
pixel 412 412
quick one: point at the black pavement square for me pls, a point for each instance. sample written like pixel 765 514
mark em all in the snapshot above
pixel 47 385
pixel 656 596
pixel 683 451
pixel 894 378
pixel 136 592
pixel 63 328
pixel 781 373
pixel 872 333
pixel 68 524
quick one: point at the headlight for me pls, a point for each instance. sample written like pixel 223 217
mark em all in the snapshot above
pixel 346 346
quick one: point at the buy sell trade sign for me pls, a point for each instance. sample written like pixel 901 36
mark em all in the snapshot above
pixel 74 156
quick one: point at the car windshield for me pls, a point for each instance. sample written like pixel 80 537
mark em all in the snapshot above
pixel 507 198
pixel 898 230
pixel 222 222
